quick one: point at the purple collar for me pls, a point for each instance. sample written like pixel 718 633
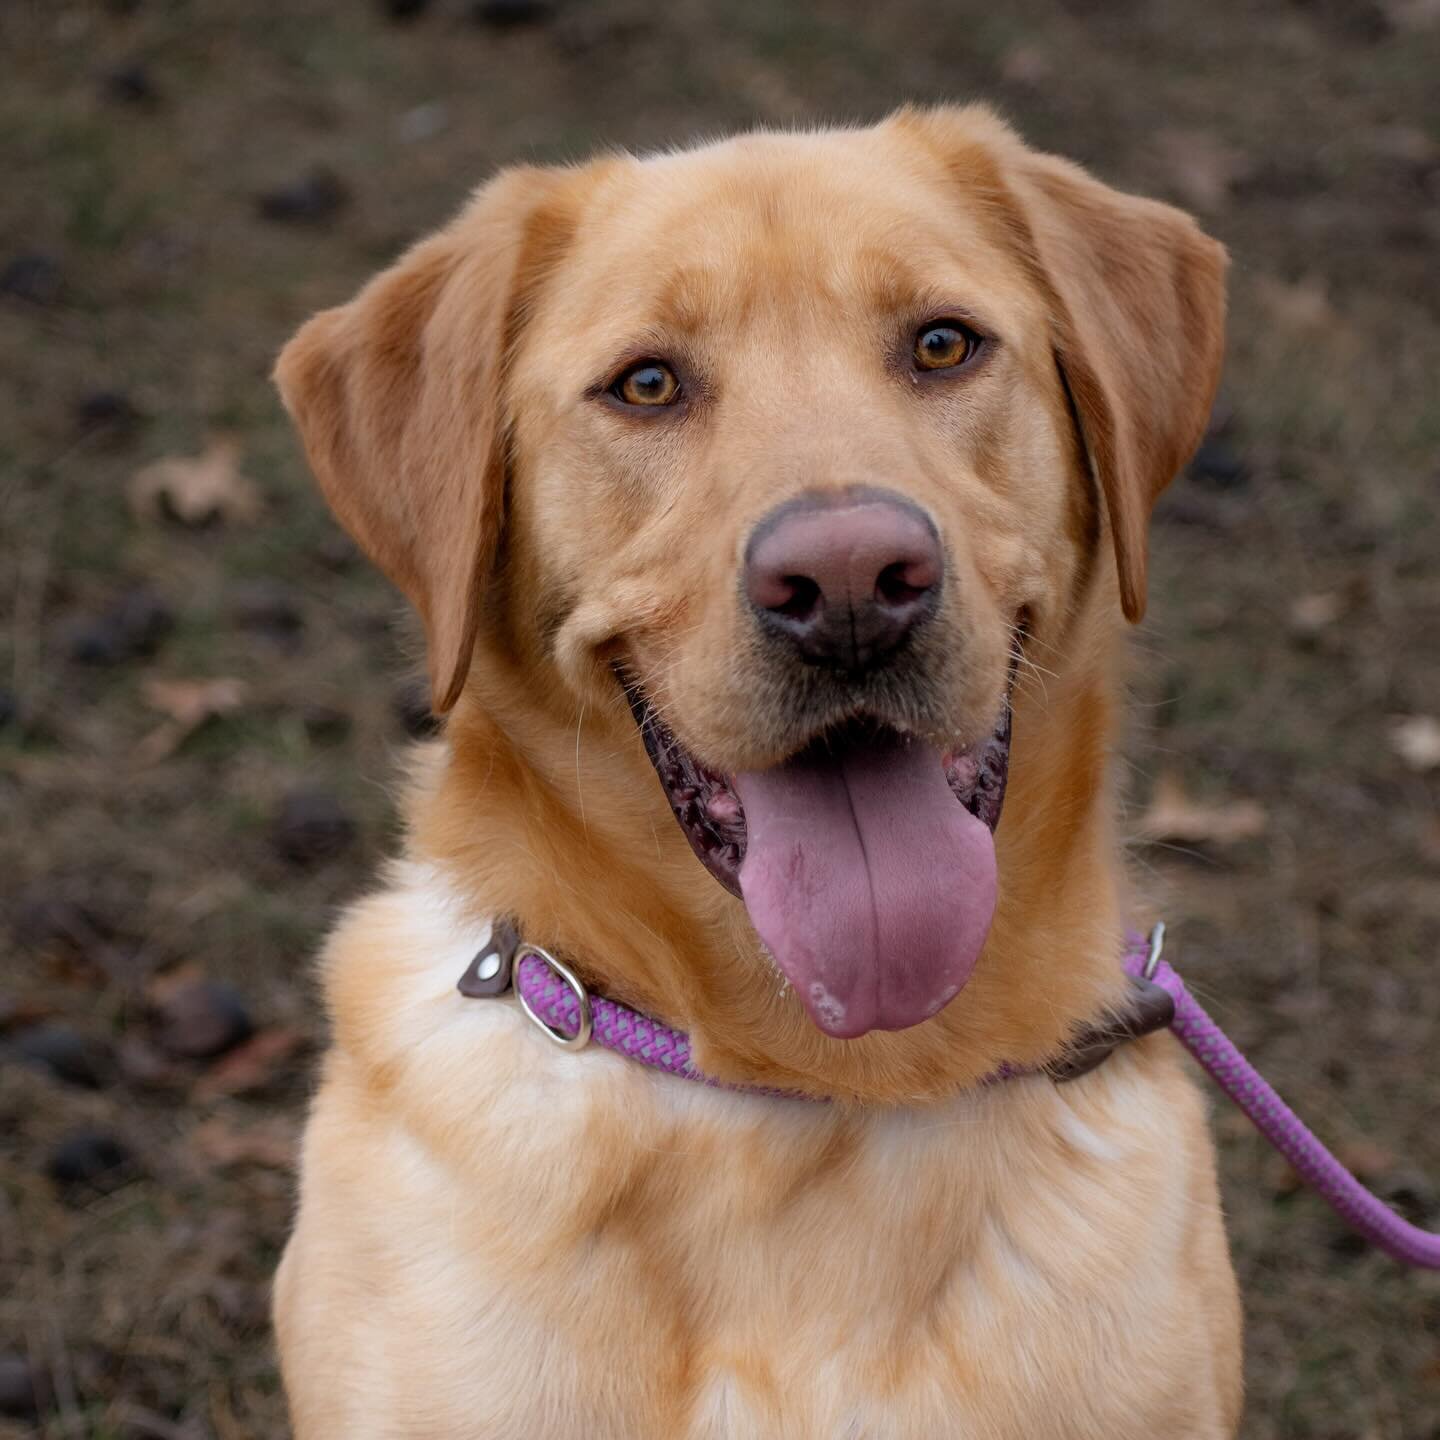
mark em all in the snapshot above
pixel 554 997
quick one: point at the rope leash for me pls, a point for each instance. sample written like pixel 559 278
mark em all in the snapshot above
pixel 1220 1058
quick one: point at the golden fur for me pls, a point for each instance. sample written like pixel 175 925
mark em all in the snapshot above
pixel 498 1239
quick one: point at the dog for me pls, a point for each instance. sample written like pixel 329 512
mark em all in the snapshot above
pixel 794 488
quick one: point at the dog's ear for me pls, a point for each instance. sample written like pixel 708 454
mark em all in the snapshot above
pixel 1136 293
pixel 398 397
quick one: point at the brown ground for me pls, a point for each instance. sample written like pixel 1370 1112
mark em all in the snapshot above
pixel 136 264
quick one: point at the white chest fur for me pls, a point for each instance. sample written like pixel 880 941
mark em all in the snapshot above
pixel 498 1238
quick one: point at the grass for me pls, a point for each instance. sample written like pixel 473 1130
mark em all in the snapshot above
pixel 1317 944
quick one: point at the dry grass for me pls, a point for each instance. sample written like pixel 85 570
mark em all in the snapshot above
pixel 1310 135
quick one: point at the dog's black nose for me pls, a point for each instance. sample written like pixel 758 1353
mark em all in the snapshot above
pixel 844 575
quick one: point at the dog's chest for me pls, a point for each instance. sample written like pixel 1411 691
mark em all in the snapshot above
pixel 522 1241
pixel 638 1265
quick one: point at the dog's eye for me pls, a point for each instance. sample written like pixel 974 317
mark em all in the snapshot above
pixel 650 383
pixel 944 346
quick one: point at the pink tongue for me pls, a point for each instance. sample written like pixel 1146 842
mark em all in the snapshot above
pixel 869 882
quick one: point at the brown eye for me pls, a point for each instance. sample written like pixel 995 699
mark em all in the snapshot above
pixel 649 384
pixel 944 346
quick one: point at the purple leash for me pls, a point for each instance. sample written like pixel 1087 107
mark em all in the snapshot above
pixel 554 997
pixel 1218 1057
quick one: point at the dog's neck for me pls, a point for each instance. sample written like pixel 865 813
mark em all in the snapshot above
pixel 560 824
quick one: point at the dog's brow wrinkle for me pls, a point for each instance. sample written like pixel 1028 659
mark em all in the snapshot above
pixel 682 305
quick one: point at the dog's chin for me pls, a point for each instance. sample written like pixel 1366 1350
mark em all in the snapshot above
pixel 866 860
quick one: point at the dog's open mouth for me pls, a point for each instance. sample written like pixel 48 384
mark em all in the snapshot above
pixel 866 862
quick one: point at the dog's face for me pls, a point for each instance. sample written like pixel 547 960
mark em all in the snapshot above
pixel 798 442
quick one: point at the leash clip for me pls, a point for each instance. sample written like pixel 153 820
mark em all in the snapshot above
pixel 1157 949
pixel 1151 1007
pixel 581 1038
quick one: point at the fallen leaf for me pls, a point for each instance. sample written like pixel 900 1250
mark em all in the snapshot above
pixel 1412 14
pixel 253 1065
pixel 1365 1160
pixel 1303 306
pixel 1416 740
pixel 1174 818
pixel 146 1068
pixel 271 1143
pixel 197 489
pixel 1282 1179
pixel 1204 167
pixel 1430 840
pixel 16 1013
pixel 1026 64
pixel 1310 615
pixel 187 704
pixel 1407 143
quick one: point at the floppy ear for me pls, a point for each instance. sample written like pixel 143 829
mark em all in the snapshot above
pixel 398 399
pixel 1137 297
pixel 1136 294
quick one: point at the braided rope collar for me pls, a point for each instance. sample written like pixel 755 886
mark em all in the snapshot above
pixel 554 997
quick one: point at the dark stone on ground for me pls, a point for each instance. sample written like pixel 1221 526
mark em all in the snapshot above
pixel 42 920
pixel 412 709
pixel 32 277
pixel 325 724
pixel 1217 463
pixel 335 552
pixel 404 9
pixel 130 84
pixel 312 826
pixel 66 1054
pixel 1289 181
pixel 268 605
pixel 201 1019
pixel 512 14
pixel 90 1161
pixel 1347 1245
pixel 1413 1195
pixel 24 1390
pixel 314 198
pixel 131 628
pixel 106 410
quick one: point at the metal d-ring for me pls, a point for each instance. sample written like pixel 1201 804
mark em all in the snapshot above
pixel 1157 949
pixel 581 1038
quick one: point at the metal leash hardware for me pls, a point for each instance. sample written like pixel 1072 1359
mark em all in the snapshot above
pixel 581 1038
pixel 1157 949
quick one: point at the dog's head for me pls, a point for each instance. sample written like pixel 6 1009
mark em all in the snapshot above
pixel 797 444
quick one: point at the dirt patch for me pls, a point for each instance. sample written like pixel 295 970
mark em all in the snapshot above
pixel 186 182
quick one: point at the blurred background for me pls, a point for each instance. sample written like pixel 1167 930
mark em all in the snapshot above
pixel 203 690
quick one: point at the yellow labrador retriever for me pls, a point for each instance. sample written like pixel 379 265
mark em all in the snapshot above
pixel 804 470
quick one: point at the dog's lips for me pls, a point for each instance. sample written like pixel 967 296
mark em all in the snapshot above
pixel 866 862
pixel 703 801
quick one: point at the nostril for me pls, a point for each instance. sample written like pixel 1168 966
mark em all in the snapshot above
pixel 844 577
pixel 903 583
pixel 803 601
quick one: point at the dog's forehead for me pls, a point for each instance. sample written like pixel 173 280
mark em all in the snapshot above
pixel 861 220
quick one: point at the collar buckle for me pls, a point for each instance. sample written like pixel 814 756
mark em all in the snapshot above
pixel 586 1023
